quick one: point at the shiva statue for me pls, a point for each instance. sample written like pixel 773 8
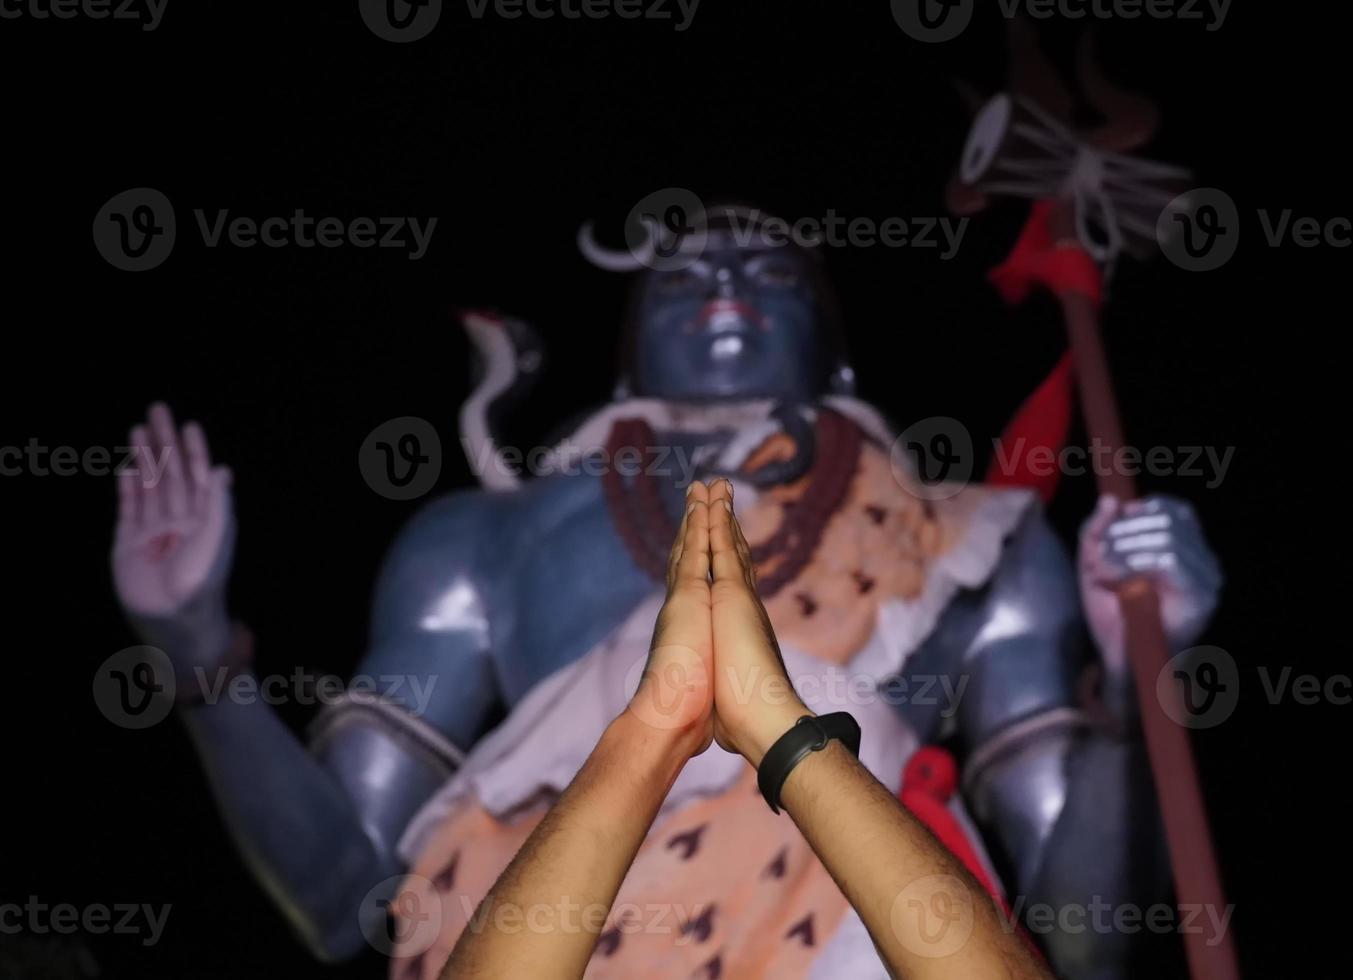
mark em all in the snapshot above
pixel 525 607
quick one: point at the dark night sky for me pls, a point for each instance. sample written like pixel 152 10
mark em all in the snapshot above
pixel 512 133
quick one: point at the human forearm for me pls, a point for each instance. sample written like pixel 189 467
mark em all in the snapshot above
pixel 926 914
pixel 564 879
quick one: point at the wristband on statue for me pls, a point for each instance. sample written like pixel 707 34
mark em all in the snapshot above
pixel 809 734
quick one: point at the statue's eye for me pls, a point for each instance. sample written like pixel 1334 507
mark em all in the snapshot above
pixel 779 275
pixel 678 281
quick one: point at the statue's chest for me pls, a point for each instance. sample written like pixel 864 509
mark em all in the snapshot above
pixel 573 584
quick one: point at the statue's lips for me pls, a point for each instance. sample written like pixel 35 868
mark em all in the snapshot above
pixel 726 315
pixel 726 332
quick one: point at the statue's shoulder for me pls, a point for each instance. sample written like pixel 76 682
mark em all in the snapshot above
pixel 483 529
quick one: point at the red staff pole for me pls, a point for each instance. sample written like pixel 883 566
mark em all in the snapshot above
pixel 1193 860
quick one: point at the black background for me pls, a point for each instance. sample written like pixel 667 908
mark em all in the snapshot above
pixel 511 133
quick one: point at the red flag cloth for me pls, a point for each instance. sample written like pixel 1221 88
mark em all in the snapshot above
pixel 929 779
pixel 1041 424
pixel 1042 421
pixel 1037 259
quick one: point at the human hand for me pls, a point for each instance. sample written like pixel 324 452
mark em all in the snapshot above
pixel 754 702
pixel 675 694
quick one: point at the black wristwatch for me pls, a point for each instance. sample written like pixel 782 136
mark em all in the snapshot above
pixel 809 734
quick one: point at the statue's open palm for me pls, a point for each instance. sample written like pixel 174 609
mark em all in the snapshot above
pixel 174 539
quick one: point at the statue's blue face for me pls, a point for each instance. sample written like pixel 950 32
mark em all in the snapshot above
pixel 740 322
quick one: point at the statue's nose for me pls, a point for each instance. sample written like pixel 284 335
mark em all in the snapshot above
pixel 726 283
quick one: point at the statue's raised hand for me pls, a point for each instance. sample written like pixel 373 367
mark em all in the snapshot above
pixel 174 541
